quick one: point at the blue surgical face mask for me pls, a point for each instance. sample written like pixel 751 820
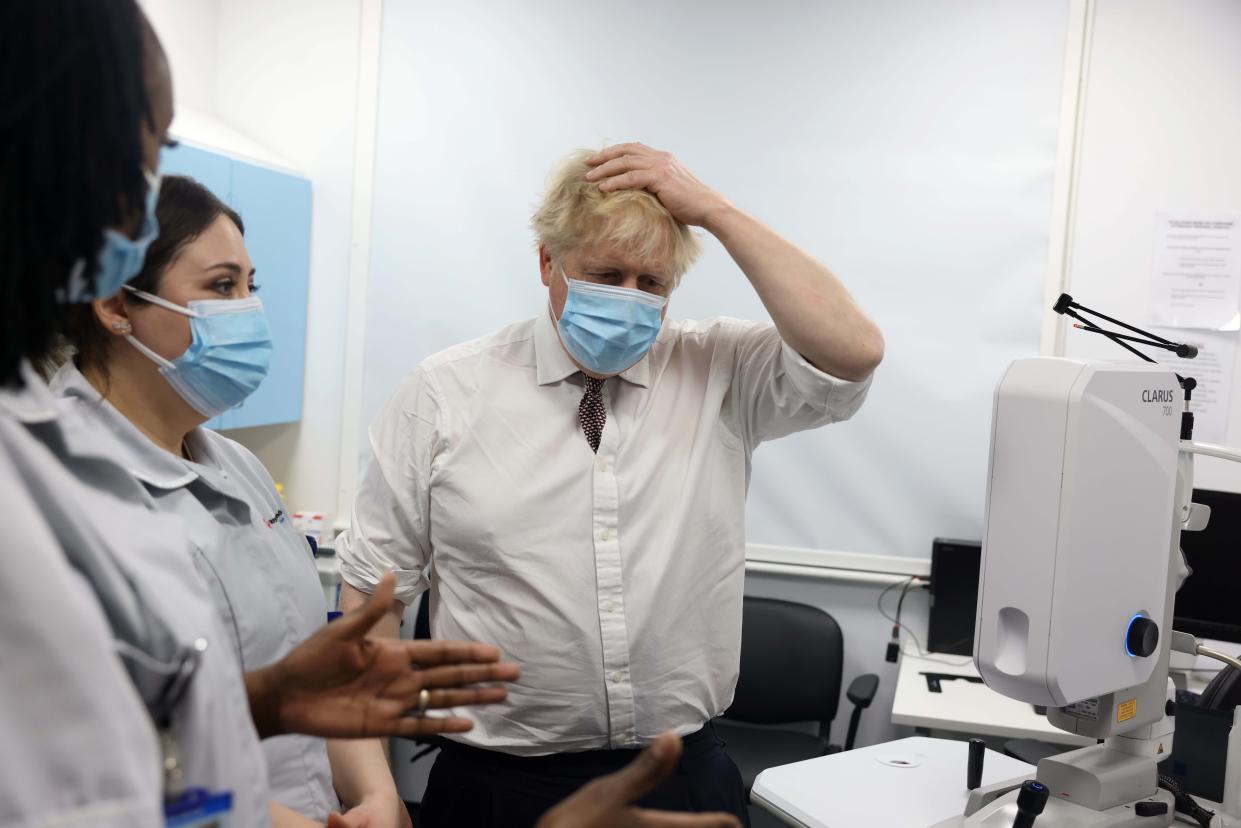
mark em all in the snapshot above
pixel 120 259
pixel 227 358
pixel 607 329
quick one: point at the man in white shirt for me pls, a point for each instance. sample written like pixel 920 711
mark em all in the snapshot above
pixel 576 484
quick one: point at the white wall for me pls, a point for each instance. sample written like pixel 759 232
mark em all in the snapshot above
pixel 283 74
pixel 1156 133
pixel 288 75
pixel 910 146
pixel 1161 128
pixel 188 31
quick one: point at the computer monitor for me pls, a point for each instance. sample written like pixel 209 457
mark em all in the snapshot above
pixel 954 596
pixel 1207 605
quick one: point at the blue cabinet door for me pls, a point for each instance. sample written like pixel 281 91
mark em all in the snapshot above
pixel 275 208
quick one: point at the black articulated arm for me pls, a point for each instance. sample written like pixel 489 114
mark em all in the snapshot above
pixel 861 692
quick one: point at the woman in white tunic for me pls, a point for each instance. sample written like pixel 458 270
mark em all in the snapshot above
pixel 259 569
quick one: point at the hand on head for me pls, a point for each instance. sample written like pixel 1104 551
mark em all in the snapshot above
pixel 638 167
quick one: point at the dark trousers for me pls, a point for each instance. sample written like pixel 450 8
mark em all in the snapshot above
pixel 483 788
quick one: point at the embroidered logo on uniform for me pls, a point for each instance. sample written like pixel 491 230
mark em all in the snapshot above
pixel 275 519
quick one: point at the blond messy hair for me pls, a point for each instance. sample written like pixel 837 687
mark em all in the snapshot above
pixel 575 212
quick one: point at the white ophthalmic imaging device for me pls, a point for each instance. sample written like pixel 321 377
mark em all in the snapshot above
pixel 1089 488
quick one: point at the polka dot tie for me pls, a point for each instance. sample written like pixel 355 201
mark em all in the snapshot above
pixel 590 413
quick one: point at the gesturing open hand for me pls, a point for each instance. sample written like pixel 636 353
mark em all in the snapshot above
pixel 341 684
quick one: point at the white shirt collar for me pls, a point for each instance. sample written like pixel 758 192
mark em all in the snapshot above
pixel 554 364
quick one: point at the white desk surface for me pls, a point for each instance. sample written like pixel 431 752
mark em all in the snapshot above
pixel 868 786
pixel 966 706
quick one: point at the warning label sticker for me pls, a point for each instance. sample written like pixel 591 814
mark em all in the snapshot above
pixel 1127 710
pixel 1085 709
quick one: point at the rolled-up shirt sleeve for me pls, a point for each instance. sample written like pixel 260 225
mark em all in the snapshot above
pixel 389 527
pixel 775 391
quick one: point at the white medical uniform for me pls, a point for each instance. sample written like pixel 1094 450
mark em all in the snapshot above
pixel 138 565
pixel 79 746
pixel 259 570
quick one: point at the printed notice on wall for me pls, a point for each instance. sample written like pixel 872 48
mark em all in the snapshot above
pixel 1197 272
pixel 1212 368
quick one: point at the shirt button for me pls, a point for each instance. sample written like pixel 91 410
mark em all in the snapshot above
pixel 616 676
pixel 611 606
pixel 605 466
pixel 606 534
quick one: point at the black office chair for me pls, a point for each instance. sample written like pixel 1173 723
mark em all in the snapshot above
pixel 791 661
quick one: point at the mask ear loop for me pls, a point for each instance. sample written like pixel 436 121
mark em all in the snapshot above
pixel 163 303
pixel 551 310
pixel 148 353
